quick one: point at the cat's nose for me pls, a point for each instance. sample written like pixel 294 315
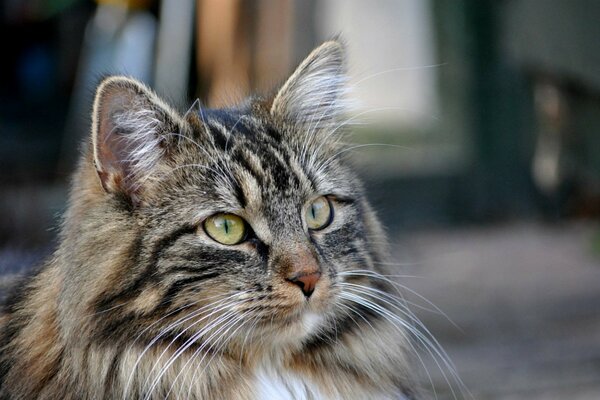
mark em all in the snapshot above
pixel 299 266
pixel 306 282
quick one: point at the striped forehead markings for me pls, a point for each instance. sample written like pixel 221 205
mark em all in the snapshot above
pixel 234 122
pixel 249 144
pixel 219 134
pixel 251 163
pixel 267 167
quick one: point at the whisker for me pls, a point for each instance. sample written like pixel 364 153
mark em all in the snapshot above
pixel 255 320
pixel 399 264
pixel 221 346
pixel 196 103
pixel 222 305
pixel 398 286
pixel 183 348
pixel 376 293
pixel 328 161
pixel 401 69
pixel 227 324
pixel 425 337
pixel 167 329
pixel 365 303
pixel 232 131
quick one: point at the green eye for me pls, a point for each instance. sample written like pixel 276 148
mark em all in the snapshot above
pixel 319 214
pixel 225 228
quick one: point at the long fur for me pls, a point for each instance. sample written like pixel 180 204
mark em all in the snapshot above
pixel 138 302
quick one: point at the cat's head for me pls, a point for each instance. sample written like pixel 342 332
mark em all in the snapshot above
pixel 244 220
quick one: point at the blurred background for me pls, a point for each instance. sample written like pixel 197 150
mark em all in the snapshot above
pixel 482 119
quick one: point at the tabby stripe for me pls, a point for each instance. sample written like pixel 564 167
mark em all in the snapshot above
pixel 239 194
pixel 226 118
pixel 219 137
pixel 134 288
pixel 279 171
pixel 238 157
pixel 115 329
pixel 113 370
pixel 263 251
pixel 208 258
pixel 282 157
pixel 242 128
pixel 176 287
pixel 235 123
pixel 180 269
pixel 273 133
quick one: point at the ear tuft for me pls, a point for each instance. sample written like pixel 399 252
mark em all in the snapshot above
pixel 314 92
pixel 130 129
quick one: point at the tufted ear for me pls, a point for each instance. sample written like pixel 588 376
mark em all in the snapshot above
pixel 131 130
pixel 313 94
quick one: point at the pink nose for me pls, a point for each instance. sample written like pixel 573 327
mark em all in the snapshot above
pixel 306 282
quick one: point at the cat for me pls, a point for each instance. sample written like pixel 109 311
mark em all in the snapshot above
pixel 216 254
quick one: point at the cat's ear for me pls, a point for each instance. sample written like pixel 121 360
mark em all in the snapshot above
pixel 314 93
pixel 131 131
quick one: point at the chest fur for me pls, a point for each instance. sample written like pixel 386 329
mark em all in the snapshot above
pixel 281 384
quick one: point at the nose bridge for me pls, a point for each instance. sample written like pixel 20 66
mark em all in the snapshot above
pixel 296 258
pixel 299 266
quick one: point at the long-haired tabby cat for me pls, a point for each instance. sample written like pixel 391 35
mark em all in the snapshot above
pixel 216 254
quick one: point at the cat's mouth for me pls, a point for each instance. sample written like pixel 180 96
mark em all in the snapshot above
pixel 305 318
pixel 292 329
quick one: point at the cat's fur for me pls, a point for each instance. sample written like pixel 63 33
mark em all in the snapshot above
pixel 138 302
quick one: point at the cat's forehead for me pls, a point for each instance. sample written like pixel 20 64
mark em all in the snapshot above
pixel 252 160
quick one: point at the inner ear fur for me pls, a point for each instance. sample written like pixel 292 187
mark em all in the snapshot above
pixel 314 93
pixel 131 130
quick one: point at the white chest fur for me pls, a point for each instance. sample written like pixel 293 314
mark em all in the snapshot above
pixel 278 384
pixel 274 382
pixel 281 385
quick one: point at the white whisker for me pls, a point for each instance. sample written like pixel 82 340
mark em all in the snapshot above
pixel 220 306
pixel 425 337
pixel 401 69
pixel 165 330
pixel 183 348
pixel 401 329
pixel 399 286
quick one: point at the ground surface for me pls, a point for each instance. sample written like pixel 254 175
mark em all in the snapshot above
pixel 527 299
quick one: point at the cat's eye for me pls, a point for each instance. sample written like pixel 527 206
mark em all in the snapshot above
pixel 225 228
pixel 319 214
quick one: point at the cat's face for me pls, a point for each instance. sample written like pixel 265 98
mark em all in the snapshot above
pixel 245 221
pixel 265 224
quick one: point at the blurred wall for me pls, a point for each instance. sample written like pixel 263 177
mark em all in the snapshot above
pixel 470 111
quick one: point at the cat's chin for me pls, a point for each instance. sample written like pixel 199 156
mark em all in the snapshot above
pixel 294 333
pixel 296 327
pixel 311 322
pixel 311 319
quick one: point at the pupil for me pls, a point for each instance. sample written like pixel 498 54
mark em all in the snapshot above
pixel 226 225
pixel 313 211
